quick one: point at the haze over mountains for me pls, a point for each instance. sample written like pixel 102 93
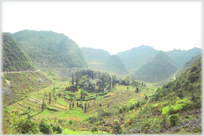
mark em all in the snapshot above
pixel 54 50
pixel 95 55
pixel 158 69
pixel 50 49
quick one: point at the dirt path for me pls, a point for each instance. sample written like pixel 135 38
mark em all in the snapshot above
pixel 73 118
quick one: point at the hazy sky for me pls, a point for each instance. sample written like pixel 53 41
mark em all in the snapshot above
pixel 112 26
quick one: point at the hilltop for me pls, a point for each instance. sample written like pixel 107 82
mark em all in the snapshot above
pixel 48 49
pixel 14 58
pixel 158 69
pixel 136 57
pixel 97 56
pixel 115 64
pixel 180 57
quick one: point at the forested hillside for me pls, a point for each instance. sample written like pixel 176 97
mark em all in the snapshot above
pixel 188 64
pixel 158 69
pixel 136 57
pixel 14 58
pixel 95 56
pixel 50 49
pixel 181 57
pixel 173 109
pixel 116 65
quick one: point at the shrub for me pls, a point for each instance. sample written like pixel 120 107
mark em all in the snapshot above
pixel 174 119
pixel 57 129
pixel 70 122
pixel 45 128
pixel 117 129
pixel 27 126
pixel 94 129
pixel 60 121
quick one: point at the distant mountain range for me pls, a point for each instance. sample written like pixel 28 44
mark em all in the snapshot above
pixel 136 57
pixel 49 49
pixel 95 56
pixel 115 64
pixel 180 57
pixel 14 58
pixel 156 70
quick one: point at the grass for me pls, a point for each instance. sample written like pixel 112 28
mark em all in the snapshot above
pixel 132 101
pixel 75 112
pixel 62 102
pixel 70 132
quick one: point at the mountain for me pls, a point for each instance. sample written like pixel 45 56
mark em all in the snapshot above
pixel 14 58
pixel 158 69
pixel 115 64
pixel 95 55
pixel 181 57
pixel 50 49
pixel 136 57
pixel 188 64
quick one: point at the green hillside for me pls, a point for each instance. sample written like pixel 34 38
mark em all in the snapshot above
pixel 14 58
pixel 136 57
pixel 188 64
pixel 158 69
pixel 115 64
pixel 181 57
pixel 95 55
pixel 173 109
pixel 50 49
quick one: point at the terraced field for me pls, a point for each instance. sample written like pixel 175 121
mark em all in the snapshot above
pixel 115 98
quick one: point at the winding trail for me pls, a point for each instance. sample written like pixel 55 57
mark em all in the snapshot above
pixel 174 77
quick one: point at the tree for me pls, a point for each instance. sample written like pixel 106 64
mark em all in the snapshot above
pixel 45 128
pixel 174 119
pixel 94 129
pixel 127 80
pixel 26 126
pixel 190 87
pixel 49 98
pixel 72 105
pixel 117 129
pixel 77 104
pixel 77 82
pixel 73 79
pixel 43 104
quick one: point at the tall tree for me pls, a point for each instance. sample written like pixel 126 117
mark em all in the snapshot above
pixel 49 98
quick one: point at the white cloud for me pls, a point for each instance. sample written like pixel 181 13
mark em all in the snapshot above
pixel 112 26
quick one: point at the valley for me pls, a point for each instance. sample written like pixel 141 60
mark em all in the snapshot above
pixel 51 86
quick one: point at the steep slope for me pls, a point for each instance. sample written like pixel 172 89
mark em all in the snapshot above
pixel 158 69
pixel 188 64
pixel 181 57
pixel 115 64
pixel 14 58
pixel 173 109
pixel 136 57
pixel 96 56
pixel 50 49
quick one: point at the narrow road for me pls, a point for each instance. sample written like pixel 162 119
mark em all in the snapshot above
pixel 174 77
pixel 18 72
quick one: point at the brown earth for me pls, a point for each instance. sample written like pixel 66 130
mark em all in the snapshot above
pixel 73 118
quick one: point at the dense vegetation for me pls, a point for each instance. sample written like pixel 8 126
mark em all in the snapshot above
pixel 96 56
pixel 50 49
pixel 136 57
pixel 14 58
pixel 58 100
pixel 188 64
pixel 115 64
pixel 158 69
pixel 181 57
pixel 174 108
